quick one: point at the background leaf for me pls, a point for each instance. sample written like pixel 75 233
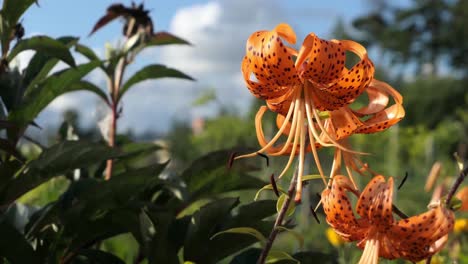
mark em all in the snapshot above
pixel 154 71
pixel 44 45
pixel 55 161
pixel 55 85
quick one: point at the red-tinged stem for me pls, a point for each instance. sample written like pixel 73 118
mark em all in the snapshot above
pixel 279 219
pixel 456 185
pixel 112 131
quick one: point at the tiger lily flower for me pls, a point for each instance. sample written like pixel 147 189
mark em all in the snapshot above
pixel 376 231
pixel 463 196
pixel 311 90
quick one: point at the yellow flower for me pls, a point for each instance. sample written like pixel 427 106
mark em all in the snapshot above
pixel 461 225
pixel 334 238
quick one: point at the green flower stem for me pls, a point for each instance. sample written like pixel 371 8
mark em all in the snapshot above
pixel 279 219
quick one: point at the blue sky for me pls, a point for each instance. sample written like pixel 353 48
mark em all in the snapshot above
pixel 218 29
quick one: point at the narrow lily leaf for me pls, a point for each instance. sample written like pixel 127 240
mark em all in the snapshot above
pixel 311 177
pixel 10 148
pixel 13 246
pixel 280 202
pixel 50 89
pixel 296 234
pixel 86 51
pixel 267 187
pixel 154 71
pixel 87 86
pixel 54 161
pixel 244 230
pixel 276 256
pixel 165 38
pixel 41 64
pixel 13 9
pixel 44 45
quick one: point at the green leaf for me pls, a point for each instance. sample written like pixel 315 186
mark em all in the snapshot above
pixel 165 38
pixel 12 10
pixel 203 226
pixel 87 86
pixel 311 177
pixel 154 71
pixel 10 148
pixel 41 64
pixel 297 235
pixel 206 97
pixel 250 255
pixel 267 187
pixel 55 85
pixel 100 257
pixel 276 255
pixel 208 176
pixel 279 205
pixel 55 161
pixel 248 216
pixel 13 246
pixel 244 230
pixel 311 257
pixel 44 45
pixel 86 51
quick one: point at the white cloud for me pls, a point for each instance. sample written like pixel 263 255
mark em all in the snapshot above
pixel 218 31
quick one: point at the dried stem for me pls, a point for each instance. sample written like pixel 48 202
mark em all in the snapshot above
pixel 456 185
pixel 279 219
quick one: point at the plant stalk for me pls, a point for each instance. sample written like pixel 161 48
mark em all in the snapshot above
pixel 279 219
pixel 456 185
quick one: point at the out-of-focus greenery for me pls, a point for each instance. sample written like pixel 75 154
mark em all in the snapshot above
pixel 56 208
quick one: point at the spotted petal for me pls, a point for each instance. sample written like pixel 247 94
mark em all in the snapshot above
pixel 271 62
pixel 375 202
pixel 338 209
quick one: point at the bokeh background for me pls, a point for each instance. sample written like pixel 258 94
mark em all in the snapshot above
pixel 420 47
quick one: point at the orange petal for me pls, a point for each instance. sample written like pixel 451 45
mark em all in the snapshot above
pixel 463 196
pixel 338 209
pixel 378 100
pixel 344 122
pixel 383 120
pixel 270 62
pixel 421 236
pixel 375 202
pixel 335 85
pixel 321 60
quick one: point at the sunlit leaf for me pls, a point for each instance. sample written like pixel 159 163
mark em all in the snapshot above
pixel 55 161
pixel 86 51
pixel 55 85
pixel 10 148
pixel 296 234
pixel 98 256
pixel 292 206
pixel 41 64
pixel 311 177
pixel 205 97
pixel 12 10
pixel 267 187
pixel 276 255
pixel 243 230
pixel 154 71
pixel 45 45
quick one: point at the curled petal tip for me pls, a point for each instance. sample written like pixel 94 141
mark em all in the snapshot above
pixel 286 32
